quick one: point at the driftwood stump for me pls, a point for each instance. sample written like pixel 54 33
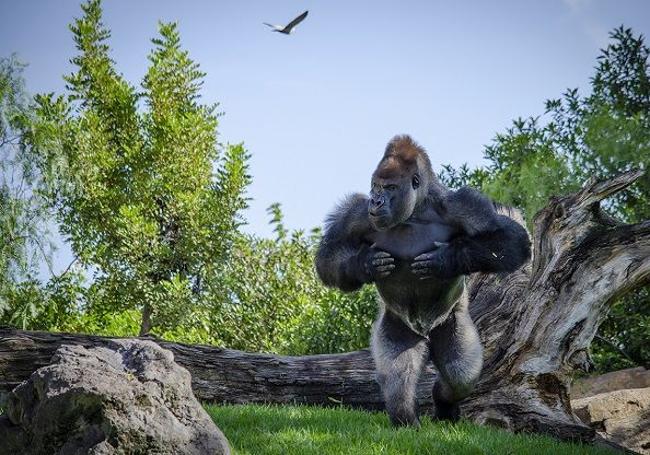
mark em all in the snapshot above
pixel 536 325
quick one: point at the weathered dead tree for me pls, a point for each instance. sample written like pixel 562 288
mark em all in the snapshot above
pixel 536 325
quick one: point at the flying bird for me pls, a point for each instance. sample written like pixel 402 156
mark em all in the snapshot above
pixel 287 29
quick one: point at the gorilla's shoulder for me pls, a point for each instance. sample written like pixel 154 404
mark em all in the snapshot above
pixel 351 212
pixel 471 210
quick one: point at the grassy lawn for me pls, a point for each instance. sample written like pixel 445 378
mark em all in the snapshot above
pixel 286 430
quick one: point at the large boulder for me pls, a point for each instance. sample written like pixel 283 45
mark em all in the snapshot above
pixel 630 378
pixel 129 397
pixel 621 416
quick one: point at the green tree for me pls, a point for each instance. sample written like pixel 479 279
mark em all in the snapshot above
pixel 270 299
pixel 149 199
pixel 25 241
pixel 608 131
pixel 19 215
pixel 582 136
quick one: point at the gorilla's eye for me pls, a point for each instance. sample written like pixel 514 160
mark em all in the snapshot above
pixel 390 187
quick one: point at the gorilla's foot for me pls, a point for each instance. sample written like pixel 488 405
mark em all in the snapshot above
pixel 446 411
pixel 404 418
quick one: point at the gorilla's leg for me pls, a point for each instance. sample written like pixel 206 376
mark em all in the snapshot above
pixel 457 353
pixel 399 356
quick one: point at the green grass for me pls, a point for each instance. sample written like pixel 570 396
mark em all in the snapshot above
pixel 300 430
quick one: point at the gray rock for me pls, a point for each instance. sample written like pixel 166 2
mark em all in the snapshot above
pixel 622 416
pixel 129 397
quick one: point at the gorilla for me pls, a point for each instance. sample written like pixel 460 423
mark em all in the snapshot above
pixel 417 240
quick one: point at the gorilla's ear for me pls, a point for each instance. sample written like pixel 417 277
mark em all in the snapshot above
pixel 416 181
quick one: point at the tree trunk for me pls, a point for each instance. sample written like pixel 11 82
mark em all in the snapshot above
pixel 145 324
pixel 536 325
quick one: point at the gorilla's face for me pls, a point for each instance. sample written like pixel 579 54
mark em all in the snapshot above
pixel 392 201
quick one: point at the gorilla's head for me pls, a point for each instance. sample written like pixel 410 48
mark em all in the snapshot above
pixel 399 183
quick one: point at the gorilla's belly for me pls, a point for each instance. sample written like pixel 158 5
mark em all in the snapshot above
pixel 421 304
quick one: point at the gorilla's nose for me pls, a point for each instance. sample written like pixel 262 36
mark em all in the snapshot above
pixel 377 202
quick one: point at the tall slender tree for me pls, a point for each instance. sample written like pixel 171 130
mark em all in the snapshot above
pixel 150 200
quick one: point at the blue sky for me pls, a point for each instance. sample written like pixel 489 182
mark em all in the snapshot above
pixel 316 108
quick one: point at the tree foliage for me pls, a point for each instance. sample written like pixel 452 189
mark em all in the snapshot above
pixel 25 241
pixel 18 227
pixel 148 199
pixel 272 300
pixel 150 203
pixel 596 135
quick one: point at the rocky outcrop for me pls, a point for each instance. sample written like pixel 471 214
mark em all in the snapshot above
pixel 621 416
pixel 630 378
pixel 127 397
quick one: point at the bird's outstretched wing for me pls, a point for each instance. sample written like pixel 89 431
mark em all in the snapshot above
pixel 274 27
pixel 296 21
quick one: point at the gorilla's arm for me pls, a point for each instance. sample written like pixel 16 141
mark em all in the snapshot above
pixel 344 260
pixel 487 241
pixel 469 211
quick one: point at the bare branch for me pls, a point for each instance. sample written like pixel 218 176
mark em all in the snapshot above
pixel 595 191
pixel 66 270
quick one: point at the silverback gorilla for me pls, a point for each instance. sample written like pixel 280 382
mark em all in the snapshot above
pixel 416 240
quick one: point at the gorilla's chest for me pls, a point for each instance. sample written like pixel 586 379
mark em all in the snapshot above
pixel 419 304
pixel 406 241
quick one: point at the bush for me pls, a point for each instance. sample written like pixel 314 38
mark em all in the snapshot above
pixel 270 299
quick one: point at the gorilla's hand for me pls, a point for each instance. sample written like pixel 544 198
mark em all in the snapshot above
pixel 378 263
pixel 434 263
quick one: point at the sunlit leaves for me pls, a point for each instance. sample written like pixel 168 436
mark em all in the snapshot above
pixel 269 298
pixel 597 134
pixel 150 200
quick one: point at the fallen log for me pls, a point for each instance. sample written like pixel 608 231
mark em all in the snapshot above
pixel 536 325
pixel 226 375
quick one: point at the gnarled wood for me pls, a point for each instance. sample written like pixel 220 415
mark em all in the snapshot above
pixel 536 325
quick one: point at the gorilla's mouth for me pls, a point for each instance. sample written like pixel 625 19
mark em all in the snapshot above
pixel 380 220
pixel 378 213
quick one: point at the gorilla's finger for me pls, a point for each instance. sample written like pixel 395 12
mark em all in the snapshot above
pixel 381 254
pixel 383 261
pixel 426 271
pixel 384 274
pixel 422 264
pixel 424 256
pixel 385 268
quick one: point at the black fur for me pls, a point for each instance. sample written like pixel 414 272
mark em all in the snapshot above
pixel 342 255
pixel 416 247
pixel 503 249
